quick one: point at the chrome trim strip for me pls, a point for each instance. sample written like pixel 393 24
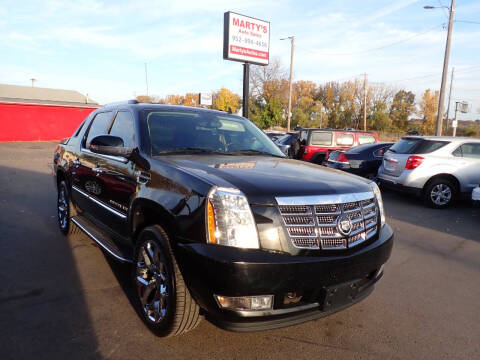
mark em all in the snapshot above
pixel 109 157
pixel 323 199
pixel 80 191
pixel 99 242
pixel 112 210
pixel 254 313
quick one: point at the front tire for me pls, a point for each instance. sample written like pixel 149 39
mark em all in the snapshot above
pixel 440 193
pixel 65 210
pixel 161 296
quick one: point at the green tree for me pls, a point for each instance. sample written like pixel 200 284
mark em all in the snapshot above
pixel 402 107
pixel 379 119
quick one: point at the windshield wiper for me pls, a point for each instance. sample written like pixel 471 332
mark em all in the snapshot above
pixel 254 152
pixel 190 150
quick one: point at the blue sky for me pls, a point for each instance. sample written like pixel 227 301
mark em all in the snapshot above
pixel 100 47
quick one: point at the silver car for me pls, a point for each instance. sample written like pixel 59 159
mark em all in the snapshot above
pixel 440 169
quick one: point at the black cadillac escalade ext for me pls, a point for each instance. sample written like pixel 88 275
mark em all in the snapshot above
pixel 216 220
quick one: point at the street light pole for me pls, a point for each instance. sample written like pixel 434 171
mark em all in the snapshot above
pixel 292 49
pixel 441 98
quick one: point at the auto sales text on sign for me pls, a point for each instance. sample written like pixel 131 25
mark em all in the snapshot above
pixel 246 39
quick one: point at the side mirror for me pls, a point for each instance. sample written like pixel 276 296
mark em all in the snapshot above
pixel 113 146
pixel 109 145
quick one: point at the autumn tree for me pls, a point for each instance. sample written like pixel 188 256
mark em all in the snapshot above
pixel 225 100
pixel 174 99
pixel 146 99
pixel 402 107
pixel 190 99
pixel 428 108
pixel 269 94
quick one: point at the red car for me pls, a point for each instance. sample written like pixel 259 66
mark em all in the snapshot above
pixel 316 144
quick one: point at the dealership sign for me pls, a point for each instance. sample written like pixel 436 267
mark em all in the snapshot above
pixel 205 99
pixel 246 39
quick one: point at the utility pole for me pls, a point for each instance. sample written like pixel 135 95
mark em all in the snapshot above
pixel 292 50
pixel 33 81
pixel 441 99
pixel 449 97
pixel 146 77
pixel 365 102
pixel 246 85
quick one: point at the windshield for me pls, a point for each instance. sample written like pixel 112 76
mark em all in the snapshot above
pixel 187 131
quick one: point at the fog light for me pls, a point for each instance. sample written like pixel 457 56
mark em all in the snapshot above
pixel 291 298
pixel 260 302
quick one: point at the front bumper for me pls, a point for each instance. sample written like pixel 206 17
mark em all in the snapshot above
pixel 220 270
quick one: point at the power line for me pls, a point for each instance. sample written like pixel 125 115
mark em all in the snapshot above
pixel 372 49
pixel 443 8
pixel 468 21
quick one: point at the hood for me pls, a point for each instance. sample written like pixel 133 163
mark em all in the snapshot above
pixel 262 178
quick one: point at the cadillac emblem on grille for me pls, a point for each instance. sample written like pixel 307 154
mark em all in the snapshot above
pixel 344 225
pixel 329 222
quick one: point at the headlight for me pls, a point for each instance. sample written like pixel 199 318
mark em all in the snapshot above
pixel 229 219
pixel 378 195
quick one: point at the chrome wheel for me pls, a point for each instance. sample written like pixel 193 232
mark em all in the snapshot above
pixel 441 194
pixel 152 281
pixel 62 208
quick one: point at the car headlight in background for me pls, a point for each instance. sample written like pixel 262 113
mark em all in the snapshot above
pixel 378 195
pixel 229 219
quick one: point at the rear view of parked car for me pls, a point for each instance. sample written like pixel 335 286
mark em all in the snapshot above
pixel 315 144
pixel 440 169
pixel 363 160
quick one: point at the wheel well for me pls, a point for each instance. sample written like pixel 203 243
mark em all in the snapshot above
pixel 318 157
pixel 449 177
pixel 146 213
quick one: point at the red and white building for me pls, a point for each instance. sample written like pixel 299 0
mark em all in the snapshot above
pixel 40 114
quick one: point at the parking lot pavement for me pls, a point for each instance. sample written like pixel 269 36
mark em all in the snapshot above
pixel 64 299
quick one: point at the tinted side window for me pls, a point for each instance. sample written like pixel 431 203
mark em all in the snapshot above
pixel 380 152
pixel 79 129
pixel 405 146
pixel 321 138
pixel 471 150
pixel 345 139
pixel 303 137
pixel 123 127
pixel 428 146
pixel 366 139
pixel 99 126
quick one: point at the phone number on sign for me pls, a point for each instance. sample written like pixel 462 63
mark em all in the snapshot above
pixel 243 40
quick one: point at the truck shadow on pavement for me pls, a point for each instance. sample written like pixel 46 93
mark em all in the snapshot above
pixel 43 312
pixel 461 219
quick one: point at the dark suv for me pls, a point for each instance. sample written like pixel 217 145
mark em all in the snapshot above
pixel 216 220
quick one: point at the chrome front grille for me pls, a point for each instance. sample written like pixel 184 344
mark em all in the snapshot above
pixel 313 222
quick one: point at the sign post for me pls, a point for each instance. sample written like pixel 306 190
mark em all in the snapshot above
pixel 247 40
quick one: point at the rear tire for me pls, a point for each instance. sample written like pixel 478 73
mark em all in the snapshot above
pixel 160 294
pixel 440 193
pixel 65 211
